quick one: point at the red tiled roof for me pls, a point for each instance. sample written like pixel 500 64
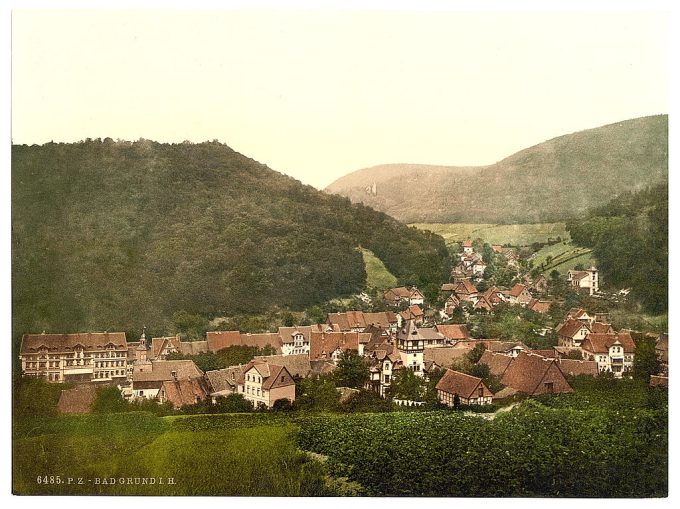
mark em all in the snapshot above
pixel 412 312
pixel 570 328
pixel 465 287
pixel 517 290
pixel 600 343
pixel 601 328
pixel 539 306
pixel 456 331
pixel 467 243
pixel 77 400
pixel 323 344
pixel 465 385
pixel 63 342
pixel 575 367
pixel 527 372
pixel 184 392
pixel 497 362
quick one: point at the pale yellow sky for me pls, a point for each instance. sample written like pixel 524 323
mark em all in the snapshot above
pixel 317 94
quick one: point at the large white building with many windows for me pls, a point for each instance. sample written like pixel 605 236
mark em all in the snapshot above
pixel 81 357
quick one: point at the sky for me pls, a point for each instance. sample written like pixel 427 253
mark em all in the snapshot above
pixel 319 94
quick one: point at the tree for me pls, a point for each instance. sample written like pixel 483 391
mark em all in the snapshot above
pixel 407 385
pixel 646 361
pixel 351 371
pixel 317 394
pixel 282 405
pixel 480 371
pixel 476 353
pixel 109 400
pixel 233 403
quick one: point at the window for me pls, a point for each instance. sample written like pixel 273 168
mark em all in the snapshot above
pixel 481 392
pixel 141 393
pixel 548 387
pixel 283 378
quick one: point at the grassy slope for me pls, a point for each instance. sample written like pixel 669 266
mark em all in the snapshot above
pixel 515 234
pixel 234 458
pixel 550 181
pixel 377 275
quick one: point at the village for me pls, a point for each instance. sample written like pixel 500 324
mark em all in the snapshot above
pixel 388 343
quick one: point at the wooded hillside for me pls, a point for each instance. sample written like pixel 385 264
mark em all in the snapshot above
pixel 116 235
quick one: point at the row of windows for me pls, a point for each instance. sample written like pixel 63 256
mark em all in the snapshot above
pixel 109 374
pixel 254 378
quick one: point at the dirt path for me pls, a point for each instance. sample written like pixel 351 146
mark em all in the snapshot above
pixel 493 415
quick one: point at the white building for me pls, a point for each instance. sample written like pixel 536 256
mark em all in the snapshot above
pixel 411 345
pixel 585 280
pixel 613 353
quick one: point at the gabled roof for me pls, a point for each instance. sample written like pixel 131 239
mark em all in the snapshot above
pixel 600 343
pixel 517 290
pixel 464 385
pixel 288 334
pixel 497 362
pixel 31 343
pixel 575 367
pixel 570 328
pixel 465 287
pixel 430 333
pixel 273 375
pixel 297 365
pixel 504 346
pixel 224 379
pixel 484 303
pixel 448 287
pixel 412 312
pixel 162 370
pixel 184 392
pixel 539 306
pixel 467 243
pixel 323 344
pixel 577 313
pixel 218 340
pixel 159 344
pixel 527 371
pixel 398 293
pixel 456 331
pixel 601 328
pixel 77 400
pixel 445 355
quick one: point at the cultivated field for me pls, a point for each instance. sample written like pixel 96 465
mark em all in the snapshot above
pixel 562 257
pixel 514 234
pixel 609 439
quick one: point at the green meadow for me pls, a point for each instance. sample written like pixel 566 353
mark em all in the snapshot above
pixel 377 275
pixel 514 234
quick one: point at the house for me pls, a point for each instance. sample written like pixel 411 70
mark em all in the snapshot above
pixel 575 367
pixel 432 337
pixel 148 382
pixel 470 389
pixel 80 357
pixel 329 346
pixel 511 348
pixel 539 285
pixel 218 340
pixel 357 321
pixel 478 268
pixel 447 288
pixel 453 332
pixel 395 296
pixel 483 304
pixel 298 365
pixel 497 362
pixel 539 306
pixel 450 305
pixel 445 356
pixel 581 315
pixel 162 347
pixel 295 340
pixel 466 291
pixel 384 361
pixel 414 313
pixel 411 344
pixel 468 248
pixel 494 295
pixel 533 375
pixel 497 248
pixel 77 400
pixel 264 383
pixel 223 382
pixel 601 328
pixel 613 353
pixel 519 294
pixel 179 393
pixel 584 280
pixel 572 333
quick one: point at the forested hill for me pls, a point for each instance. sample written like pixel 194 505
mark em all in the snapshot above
pixel 629 238
pixel 115 235
pixel 549 182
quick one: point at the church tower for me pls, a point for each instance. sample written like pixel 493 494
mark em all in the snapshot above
pixel 411 346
